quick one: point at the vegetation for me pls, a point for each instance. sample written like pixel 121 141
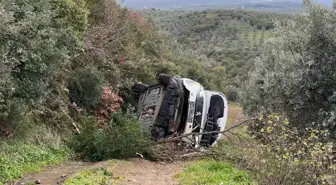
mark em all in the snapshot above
pixel 295 75
pixel 98 176
pixel 18 158
pixel 66 68
pixel 229 38
pixel 290 139
pixel 288 94
pixel 64 62
pixel 276 154
pixel 52 53
pixel 213 172
pixel 122 138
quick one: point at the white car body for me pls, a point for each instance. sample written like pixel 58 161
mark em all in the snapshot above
pixel 203 111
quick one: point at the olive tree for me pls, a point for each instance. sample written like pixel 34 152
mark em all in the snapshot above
pixel 296 74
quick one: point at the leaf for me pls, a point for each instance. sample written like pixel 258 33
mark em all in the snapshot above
pixel 260 118
pixel 269 129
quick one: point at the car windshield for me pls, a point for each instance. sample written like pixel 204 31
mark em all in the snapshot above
pixel 198 113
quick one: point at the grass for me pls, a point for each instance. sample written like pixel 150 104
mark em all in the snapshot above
pixel 18 158
pixel 212 172
pixel 98 176
pixel 235 111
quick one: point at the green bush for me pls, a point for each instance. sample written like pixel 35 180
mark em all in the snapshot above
pixel 233 93
pixel 121 138
pixel 85 88
pixel 38 41
pixel 38 38
pixel 17 158
pixel 295 74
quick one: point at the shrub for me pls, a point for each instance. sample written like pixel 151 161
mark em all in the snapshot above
pixel 233 93
pixel 122 138
pixel 295 74
pixel 40 42
pixel 85 88
pixel 276 153
pixel 38 38
pixel 110 103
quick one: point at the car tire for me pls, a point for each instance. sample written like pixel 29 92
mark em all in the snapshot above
pixel 165 79
pixel 140 88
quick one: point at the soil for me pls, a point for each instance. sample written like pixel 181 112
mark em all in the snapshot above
pixel 142 172
pixel 55 174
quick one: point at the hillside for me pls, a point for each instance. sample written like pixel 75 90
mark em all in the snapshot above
pixel 269 5
pixel 285 6
pixel 68 113
pixel 233 38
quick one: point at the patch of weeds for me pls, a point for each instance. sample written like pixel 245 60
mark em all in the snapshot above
pixel 18 158
pixel 212 172
pixel 98 176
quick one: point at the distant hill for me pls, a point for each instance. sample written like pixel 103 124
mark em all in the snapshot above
pixel 232 38
pixel 275 5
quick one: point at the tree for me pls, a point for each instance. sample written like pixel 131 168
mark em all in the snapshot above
pixel 295 75
pixel 37 40
pixel 46 34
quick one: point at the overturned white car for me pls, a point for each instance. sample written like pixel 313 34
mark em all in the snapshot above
pixel 178 106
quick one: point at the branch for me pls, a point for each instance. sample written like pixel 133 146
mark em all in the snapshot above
pixel 204 133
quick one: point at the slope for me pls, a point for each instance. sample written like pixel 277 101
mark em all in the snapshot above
pixel 234 38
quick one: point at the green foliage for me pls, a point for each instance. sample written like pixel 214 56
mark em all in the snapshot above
pixel 296 73
pixel 122 46
pixel 213 172
pixel 122 138
pixel 97 176
pixel 85 88
pixel 29 130
pixel 17 158
pixel 230 38
pixel 73 14
pixel 37 42
pixel 40 45
pixel 233 93
pixel 276 152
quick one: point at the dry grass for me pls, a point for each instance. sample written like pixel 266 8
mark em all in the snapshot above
pixel 235 114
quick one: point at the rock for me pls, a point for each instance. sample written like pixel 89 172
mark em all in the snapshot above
pixel 64 175
pixel 38 181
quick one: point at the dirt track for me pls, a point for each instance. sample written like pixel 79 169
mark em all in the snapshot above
pixel 55 174
pixel 131 172
pixel 142 172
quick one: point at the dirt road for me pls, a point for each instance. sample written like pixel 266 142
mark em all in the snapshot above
pixel 55 174
pixel 142 172
pixel 131 172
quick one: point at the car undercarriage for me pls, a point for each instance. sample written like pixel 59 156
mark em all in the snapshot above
pixel 179 106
